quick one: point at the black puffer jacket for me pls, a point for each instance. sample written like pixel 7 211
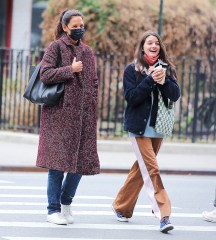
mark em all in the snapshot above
pixel 137 91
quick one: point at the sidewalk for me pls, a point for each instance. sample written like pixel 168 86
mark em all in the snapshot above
pixel 18 152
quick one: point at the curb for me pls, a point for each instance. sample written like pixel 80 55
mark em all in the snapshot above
pixel 184 150
pixel 119 146
pixel 112 171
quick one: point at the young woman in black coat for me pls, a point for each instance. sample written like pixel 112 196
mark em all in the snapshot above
pixel 142 81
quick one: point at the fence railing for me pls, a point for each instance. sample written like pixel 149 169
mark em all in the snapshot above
pixel 195 111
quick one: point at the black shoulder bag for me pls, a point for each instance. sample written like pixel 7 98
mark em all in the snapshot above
pixel 39 93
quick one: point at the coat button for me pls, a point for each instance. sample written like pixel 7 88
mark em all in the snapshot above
pixel 145 120
pixel 140 132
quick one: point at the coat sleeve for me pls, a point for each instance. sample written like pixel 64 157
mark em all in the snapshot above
pixel 136 93
pixel 170 89
pixel 49 72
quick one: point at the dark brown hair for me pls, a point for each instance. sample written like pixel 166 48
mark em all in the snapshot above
pixel 140 60
pixel 65 18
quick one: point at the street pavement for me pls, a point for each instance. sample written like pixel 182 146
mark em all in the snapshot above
pixel 18 152
pixel 23 203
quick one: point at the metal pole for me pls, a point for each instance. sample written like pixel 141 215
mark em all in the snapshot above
pixel 160 20
pixel 196 98
pixel 1 81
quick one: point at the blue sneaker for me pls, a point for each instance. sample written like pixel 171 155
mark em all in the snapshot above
pixel 119 217
pixel 165 225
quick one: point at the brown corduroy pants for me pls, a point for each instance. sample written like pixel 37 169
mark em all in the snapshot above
pixel 145 171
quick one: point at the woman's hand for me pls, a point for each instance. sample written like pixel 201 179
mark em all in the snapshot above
pixel 159 75
pixel 77 66
pixel 150 70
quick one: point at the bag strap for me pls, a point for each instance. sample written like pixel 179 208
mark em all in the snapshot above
pixel 37 68
pixel 32 79
pixel 59 59
pixel 170 103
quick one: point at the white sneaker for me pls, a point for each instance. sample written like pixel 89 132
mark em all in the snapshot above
pixel 210 216
pixel 67 213
pixel 56 218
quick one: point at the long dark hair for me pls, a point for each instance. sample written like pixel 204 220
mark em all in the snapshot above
pixel 65 18
pixel 140 60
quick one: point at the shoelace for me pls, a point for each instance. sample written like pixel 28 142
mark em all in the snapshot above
pixel 165 220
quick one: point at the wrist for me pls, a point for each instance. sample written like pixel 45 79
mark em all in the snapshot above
pixel 162 81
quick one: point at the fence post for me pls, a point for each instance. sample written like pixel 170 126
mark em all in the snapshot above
pixel 196 99
pixel 1 81
pixel 182 94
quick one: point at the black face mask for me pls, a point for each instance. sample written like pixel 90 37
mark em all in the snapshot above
pixel 77 34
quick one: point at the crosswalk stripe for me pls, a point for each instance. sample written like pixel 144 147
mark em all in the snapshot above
pixel 44 238
pixel 76 197
pixel 4 181
pixel 95 205
pixel 22 196
pixel 22 187
pixel 97 213
pixel 44 196
pixel 124 226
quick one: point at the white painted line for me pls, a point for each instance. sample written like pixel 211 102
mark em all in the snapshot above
pixel 22 187
pixel 23 204
pixel 44 238
pixel 44 196
pixel 4 181
pixel 76 197
pixel 22 196
pixel 95 205
pixel 98 213
pixel 117 226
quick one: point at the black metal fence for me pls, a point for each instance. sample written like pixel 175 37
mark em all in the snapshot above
pixel 195 111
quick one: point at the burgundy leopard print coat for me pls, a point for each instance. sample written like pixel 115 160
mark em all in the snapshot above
pixel 68 130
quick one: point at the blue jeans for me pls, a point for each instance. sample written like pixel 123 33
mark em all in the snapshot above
pixel 59 191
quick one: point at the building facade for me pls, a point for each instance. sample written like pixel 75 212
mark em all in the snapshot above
pixel 20 23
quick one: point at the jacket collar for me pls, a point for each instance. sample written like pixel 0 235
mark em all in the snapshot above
pixel 67 40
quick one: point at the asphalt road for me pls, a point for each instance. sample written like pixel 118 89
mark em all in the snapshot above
pixel 23 209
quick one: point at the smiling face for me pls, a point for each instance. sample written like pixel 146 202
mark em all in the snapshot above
pixel 151 46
